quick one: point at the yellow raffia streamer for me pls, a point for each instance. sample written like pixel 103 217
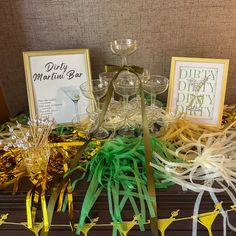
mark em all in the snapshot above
pixel 28 209
pixel 16 185
pixel 44 211
pixel 66 144
pixel 184 131
pixel 89 226
pixel 163 224
pixel 207 219
pixel 44 206
pixel 61 197
pixel 70 205
pixel 34 208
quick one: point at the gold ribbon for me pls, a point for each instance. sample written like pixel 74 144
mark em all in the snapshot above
pixel 114 68
pixel 146 138
pixel 148 159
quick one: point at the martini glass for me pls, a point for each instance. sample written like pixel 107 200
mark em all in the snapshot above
pixel 126 85
pixel 123 48
pixel 108 76
pixel 113 122
pixel 95 90
pixel 73 92
pixel 101 133
pixel 145 76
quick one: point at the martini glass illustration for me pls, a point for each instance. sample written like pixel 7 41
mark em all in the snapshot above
pixel 123 48
pixel 73 93
pixel 197 99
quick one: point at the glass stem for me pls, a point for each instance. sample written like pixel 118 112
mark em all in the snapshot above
pixel 76 110
pixel 126 103
pixel 98 104
pixel 153 100
pixel 123 60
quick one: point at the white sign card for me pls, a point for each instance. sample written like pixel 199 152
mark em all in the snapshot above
pixel 197 88
pixel 53 81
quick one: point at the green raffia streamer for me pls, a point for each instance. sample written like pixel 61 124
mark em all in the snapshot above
pixel 63 130
pixel 119 169
pixel 21 118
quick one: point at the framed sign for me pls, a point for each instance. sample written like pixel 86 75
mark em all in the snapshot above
pixel 53 80
pixel 197 88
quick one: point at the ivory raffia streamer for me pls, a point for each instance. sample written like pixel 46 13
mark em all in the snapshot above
pixel 211 166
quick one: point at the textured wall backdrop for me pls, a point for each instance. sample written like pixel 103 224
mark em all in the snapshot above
pixel 196 28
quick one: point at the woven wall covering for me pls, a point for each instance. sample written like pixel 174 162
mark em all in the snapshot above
pixel 195 28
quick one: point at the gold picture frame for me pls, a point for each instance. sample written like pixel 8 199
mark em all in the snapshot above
pixel 197 88
pixel 50 78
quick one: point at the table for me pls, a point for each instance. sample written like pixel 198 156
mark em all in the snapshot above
pixel 168 200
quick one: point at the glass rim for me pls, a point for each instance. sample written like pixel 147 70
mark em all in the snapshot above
pixel 123 41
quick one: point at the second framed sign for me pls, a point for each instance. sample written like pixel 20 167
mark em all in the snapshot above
pixel 53 81
pixel 197 88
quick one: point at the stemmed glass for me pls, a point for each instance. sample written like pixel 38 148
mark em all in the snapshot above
pixel 95 90
pixel 115 117
pixel 73 92
pixel 108 76
pixel 145 76
pixel 101 133
pixel 155 85
pixel 123 48
pixel 126 85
